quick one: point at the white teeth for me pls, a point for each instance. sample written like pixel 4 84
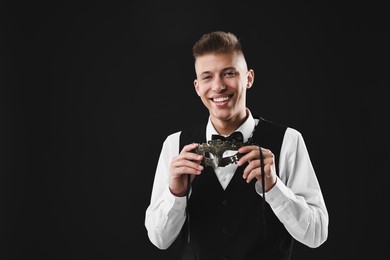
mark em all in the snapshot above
pixel 221 99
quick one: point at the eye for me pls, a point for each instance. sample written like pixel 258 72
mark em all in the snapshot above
pixel 230 73
pixel 205 77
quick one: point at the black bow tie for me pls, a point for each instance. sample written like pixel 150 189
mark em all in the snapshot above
pixel 236 136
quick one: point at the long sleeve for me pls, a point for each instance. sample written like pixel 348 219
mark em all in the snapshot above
pixel 165 214
pixel 296 199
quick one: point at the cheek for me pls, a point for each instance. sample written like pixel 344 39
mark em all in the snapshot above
pixel 205 100
pixel 242 92
pixel 202 90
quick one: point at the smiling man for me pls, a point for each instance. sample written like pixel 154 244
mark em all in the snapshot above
pixel 252 208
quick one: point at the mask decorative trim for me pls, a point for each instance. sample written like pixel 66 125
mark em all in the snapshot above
pixel 217 149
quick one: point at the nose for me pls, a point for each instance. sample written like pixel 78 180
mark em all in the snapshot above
pixel 218 85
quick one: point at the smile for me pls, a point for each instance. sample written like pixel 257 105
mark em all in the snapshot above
pixel 220 99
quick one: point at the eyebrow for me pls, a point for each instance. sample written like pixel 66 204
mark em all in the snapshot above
pixel 223 70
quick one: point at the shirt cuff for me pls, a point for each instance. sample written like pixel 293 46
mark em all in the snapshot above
pixel 175 202
pixel 275 196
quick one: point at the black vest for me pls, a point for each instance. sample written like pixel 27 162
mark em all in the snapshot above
pixel 228 224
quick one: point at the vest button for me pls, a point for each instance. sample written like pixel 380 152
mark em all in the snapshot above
pixel 224 202
pixel 225 230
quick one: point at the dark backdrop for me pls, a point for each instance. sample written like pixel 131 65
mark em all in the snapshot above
pixel 90 91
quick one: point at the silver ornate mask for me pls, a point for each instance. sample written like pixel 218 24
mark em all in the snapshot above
pixel 217 149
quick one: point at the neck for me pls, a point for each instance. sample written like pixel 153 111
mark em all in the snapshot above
pixel 228 126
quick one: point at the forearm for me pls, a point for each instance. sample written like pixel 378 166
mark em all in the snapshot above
pixel 305 219
pixel 164 219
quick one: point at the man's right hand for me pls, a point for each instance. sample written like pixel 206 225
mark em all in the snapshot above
pixel 187 162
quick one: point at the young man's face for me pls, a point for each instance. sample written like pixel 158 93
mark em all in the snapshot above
pixel 222 81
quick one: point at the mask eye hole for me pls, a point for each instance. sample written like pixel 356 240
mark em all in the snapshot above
pixel 228 153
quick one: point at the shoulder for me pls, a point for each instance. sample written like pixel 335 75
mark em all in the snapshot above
pixel 172 138
pixel 289 134
pixel 270 128
pixel 292 133
pixel 171 144
pixel 293 139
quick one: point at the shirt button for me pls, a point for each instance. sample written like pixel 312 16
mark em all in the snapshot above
pixel 224 202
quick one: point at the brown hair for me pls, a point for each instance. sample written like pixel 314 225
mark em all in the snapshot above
pixel 216 42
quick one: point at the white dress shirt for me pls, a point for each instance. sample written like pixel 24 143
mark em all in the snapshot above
pixel 296 198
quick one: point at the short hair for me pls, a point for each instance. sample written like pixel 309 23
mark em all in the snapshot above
pixel 216 42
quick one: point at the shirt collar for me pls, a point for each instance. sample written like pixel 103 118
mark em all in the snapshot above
pixel 246 128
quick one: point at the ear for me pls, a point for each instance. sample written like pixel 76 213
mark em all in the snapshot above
pixel 196 85
pixel 250 77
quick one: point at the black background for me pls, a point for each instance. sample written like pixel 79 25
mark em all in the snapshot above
pixel 90 91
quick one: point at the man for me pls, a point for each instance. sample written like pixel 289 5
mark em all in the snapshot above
pixel 252 208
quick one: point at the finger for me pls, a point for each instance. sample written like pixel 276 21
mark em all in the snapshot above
pixel 251 166
pixel 248 157
pixel 254 154
pixel 256 173
pixel 267 153
pixel 268 160
pixel 189 147
pixel 248 148
pixel 252 174
pixel 257 163
pixel 189 156
pixel 254 168
pixel 186 170
pixel 186 166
